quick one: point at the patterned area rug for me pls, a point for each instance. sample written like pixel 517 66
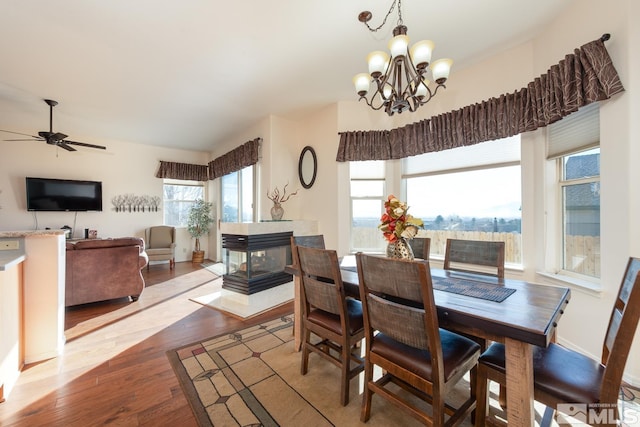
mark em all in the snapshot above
pixel 252 378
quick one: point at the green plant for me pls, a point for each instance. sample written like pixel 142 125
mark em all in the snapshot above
pixel 200 218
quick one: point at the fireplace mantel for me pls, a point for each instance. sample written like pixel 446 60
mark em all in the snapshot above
pixel 298 227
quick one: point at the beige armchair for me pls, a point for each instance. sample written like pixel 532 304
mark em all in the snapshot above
pixel 161 244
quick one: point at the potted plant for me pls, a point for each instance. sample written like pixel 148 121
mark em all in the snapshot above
pixel 200 219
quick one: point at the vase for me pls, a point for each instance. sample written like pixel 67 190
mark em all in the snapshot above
pixel 400 249
pixel 276 212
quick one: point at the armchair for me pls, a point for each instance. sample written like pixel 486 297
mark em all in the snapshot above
pixel 160 244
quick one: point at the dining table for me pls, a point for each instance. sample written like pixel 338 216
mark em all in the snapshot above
pixel 517 313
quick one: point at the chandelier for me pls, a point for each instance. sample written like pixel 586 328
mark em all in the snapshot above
pixel 400 80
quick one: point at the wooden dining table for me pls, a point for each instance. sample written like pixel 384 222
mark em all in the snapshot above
pixel 527 317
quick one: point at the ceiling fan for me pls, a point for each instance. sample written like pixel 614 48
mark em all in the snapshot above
pixel 51 137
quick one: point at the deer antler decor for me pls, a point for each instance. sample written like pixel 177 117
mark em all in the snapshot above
pixel 277 211
pixel 278 198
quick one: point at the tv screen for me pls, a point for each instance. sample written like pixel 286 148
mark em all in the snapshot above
pixel 46 194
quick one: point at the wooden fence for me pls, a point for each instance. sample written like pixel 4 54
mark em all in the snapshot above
pixel 582 252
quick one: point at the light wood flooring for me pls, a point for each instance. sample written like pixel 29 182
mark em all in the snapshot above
pixel 114 370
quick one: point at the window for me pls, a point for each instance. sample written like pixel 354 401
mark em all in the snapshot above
pixel 580 190
pixel 367 189
pixel 178 197
pixel 573 146
pixel 472 193
pixel 238 196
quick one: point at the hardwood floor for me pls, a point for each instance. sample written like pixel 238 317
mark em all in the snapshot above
pixel 114 370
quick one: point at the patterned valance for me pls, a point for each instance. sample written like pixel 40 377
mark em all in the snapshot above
pixel 184 171
pixel 234 160
pixel 583 77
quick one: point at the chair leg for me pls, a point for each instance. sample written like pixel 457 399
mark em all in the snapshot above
pixel 306 342
pixel 172 263
pixel 366 396
pixel 345 370
pixel 482 396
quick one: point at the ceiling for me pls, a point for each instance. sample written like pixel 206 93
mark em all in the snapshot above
pixel 190 73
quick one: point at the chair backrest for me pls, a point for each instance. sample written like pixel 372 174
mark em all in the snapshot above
pixel 421 247
pixel 465 253
pixel 397 300
pixel 313 241
pixel 321 280
pixel 160 236
pixel 622 328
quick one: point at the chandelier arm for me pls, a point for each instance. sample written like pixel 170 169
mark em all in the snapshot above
pixel 370 104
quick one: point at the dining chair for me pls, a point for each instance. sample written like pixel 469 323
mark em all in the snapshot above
pixel 311 241
pixel 406 343
pixel 462 255
pixel 421 247
pixel 564 376
pixel 160 244
pixel 328 314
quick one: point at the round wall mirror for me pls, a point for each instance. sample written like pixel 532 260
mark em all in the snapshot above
pixel 307 167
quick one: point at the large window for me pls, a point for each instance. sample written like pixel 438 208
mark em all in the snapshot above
pixel 573 144
pixel 238 196
pixel 472 193
pixel 367 188
pixel 178 197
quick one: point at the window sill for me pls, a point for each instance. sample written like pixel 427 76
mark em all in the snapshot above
pixel 582 285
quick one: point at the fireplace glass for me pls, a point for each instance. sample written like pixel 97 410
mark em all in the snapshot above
pixel 255 263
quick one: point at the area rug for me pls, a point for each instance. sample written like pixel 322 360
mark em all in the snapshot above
pixel 252 377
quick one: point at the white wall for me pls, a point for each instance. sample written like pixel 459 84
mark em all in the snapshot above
pixel 124 168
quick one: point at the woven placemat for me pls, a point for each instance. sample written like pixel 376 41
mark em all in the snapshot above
pixel 470 288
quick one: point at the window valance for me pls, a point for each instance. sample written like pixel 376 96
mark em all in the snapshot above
pixel 581 78
pixel 184 171
pixel 234 160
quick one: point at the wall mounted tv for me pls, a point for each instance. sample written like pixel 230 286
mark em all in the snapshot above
pixel 46 194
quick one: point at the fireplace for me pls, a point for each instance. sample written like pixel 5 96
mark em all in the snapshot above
pixel 256 262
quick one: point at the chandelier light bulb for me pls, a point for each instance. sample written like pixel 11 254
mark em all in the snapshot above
pixel 421 90
pixel 361 82
pixel 378 62
pixel 440 70
pixel 421 53
pixel 399 45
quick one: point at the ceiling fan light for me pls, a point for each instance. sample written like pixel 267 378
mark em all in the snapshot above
pixel 361 82
pixel 378 62
pixel 399 45
pixel 441 69
pixel 421 53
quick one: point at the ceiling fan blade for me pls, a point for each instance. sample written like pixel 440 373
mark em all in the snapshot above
pixel 64 145
pixel 18 133
pixel 58 136
pixel 84 144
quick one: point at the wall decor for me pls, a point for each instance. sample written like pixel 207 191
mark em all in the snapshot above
pixel 133 203
pixel 307 167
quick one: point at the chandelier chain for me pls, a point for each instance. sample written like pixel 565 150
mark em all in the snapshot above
pixel 384 21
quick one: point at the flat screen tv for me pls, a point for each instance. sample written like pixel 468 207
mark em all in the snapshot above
pixel 46 194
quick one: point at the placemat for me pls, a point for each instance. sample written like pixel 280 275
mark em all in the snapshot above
pixel 470 288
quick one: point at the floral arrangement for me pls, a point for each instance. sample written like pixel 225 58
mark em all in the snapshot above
pixel 396 222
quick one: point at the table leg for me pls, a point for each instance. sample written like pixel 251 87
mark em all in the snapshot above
pixel 519 361
pixel 297 314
